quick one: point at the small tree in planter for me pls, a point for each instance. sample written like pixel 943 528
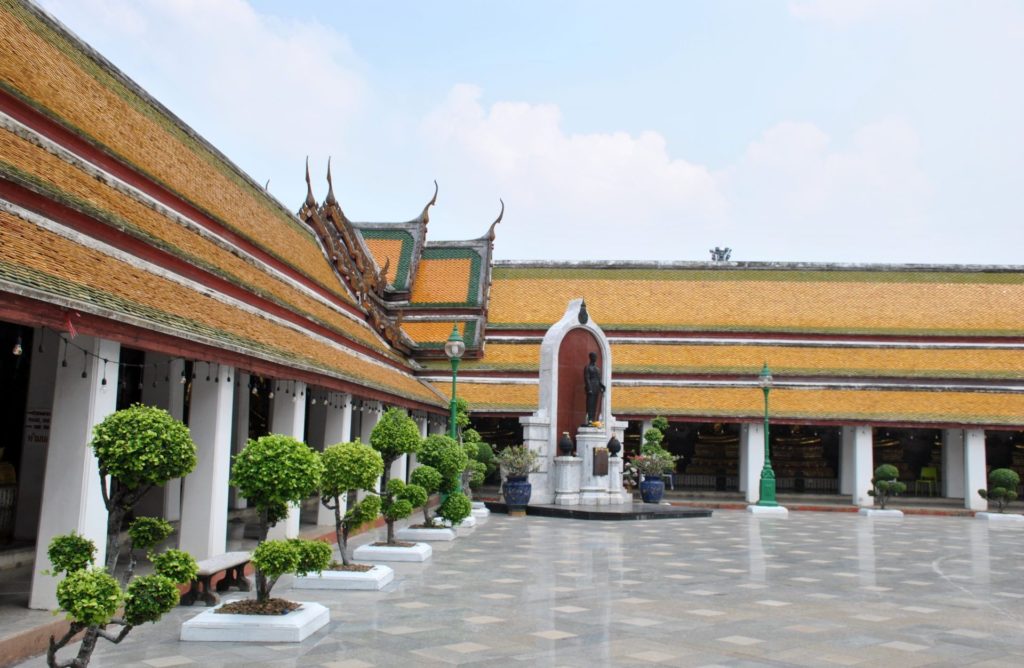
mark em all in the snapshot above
pixel 1002 487
pixel 429 479
pixel 136 448
pixel 394 436
pixel 272 473
pixel 518 462
pixel 886 483
pixel 449 459
pixel 479 454
pixel 349 468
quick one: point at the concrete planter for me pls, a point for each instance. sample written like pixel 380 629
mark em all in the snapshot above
pixel 372 580
pixel 373 553
pixel 879 513
pixel 1007 518
pixel 439 534
pixel 296 626
pixel 768 511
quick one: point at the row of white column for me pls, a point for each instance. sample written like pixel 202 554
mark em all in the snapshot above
pixel 963 464
pixel 71 499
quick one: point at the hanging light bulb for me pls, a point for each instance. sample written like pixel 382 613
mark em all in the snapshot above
pixel 294 398
pixel 313 401
pixel 182 381
pixel 18 350
pixel 255 392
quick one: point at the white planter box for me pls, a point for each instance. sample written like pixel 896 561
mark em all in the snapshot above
pixel 479 505
pixel 372 580
pixel 296 626
pixel 373 553
pixel 428 535
pixel 1000 517
pixel 467 523
pixel 481 513
pixel 879 513
pixel 768 511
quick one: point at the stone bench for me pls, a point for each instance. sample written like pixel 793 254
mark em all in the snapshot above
pixel 232 564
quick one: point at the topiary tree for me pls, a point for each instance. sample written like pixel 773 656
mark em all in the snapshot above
pixel 450 459
pixel 886 483
pixel 136 449
pixel 479 454
pixel 394 436
pixel 272 473
pixel 398 502
pixel 349 468
pixel 1002 487
pixel 429 479
pixel 91 596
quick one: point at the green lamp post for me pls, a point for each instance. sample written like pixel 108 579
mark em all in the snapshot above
pixel 454 347
pixel 767 474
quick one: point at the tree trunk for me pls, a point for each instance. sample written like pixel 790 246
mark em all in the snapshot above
pixel 114 518
pixel 388 500
pixel 339 529
pixel 86 649
pixel 262 591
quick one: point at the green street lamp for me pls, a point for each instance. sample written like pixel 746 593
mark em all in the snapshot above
pixel 767 474
pixel 454 347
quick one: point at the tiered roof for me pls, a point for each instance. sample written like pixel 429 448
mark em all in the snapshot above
pixel 110 206
pixel 845 343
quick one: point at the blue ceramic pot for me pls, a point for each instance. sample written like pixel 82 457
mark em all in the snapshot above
pixel 517 492
pixel 652 488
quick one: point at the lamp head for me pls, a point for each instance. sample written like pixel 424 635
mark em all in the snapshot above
pixel 454 347
pixel 765 379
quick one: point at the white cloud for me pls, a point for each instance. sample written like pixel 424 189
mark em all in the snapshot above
pixel 581 191
pixel 813 195
pixel 279 84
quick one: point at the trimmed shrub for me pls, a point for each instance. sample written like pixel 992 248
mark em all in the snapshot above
pixel 175 565
pixel 70 553
pixel 274 472
pixel 1002 487
pixel 149 598
pixel 90 596
pixel 349 468
pixel 885 483
pixel 455 508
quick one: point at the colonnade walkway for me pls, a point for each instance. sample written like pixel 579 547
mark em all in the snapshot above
pixel 814 589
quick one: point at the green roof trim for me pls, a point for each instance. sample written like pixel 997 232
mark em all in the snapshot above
pixel 405 259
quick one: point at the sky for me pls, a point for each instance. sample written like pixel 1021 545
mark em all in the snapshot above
pixel 854 131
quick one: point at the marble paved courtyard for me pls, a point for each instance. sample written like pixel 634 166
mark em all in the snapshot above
pixel 816 589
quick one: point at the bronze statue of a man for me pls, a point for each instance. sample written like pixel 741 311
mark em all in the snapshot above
pixel 593 386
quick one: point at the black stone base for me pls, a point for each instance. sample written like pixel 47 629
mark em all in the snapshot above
pixel 625 511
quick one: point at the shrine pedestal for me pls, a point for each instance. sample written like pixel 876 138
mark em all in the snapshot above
pixel 590 445
pixel 567 480
pixel 616 492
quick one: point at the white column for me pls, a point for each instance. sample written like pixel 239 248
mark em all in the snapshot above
pixel 72 500
pixel 337 429
pixel 176 407
pixel 975 475
pixel 288 417
pixel 863 466
pixel 42 378
pixel 953 463
pixel 421 422
pixel 644 426
pixel 751 460
pixel 240 430
pixel 846 460
pixel 204 511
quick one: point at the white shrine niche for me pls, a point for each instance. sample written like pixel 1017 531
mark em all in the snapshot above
pixel 569 480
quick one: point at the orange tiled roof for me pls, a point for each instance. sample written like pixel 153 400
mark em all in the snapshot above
pixel 437 332
pixel 787 360
pixel 62 181
pixel 443 281
pixel 940 302
pixel 51 70
pixel 868 405
pixel 386 252
pixel 41 259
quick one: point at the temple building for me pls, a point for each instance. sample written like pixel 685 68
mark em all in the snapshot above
pixel 139 264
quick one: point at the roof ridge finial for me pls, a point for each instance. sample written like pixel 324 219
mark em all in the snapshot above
pixel 330 184
pixel 425 215
pixel 501 214
pixel 310 200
